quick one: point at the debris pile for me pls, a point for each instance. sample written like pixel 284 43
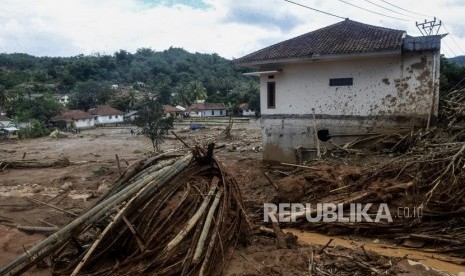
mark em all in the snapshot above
pixel 163 216
pixel 429 177
pixel 452 107
pixel 337 261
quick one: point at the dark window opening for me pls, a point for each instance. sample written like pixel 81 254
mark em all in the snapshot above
pixel 213 112
pixel 271 95
pixel 341 82
pixel 270 77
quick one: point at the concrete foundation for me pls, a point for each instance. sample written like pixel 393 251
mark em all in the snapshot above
pixel 284 134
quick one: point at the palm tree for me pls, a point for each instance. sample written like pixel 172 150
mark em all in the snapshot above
pixel 197 90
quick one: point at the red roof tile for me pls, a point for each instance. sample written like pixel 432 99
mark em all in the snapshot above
pixel 346 37
pixel 105 110
pixel 70 115
pixel 207 106
pixel 169 109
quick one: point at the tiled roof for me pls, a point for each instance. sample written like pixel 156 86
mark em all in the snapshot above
pixel 105 110
pixel 244 106
pixel 70 115
pixel 346 37
pixel 207 106
pixel 169 109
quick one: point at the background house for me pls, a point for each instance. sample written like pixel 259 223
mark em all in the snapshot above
pixel 357 78
pixel 205 109
pixel 172 111
pixel 63 100
pixel 130 116
pixel 76 118
pixel 4 121
pixel 105 114
pixel 245 110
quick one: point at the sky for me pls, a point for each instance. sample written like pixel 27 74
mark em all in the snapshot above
pixel 230 28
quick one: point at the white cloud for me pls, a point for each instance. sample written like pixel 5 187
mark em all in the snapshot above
pixel 230 28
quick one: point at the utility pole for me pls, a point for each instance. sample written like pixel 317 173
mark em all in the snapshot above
pixel 429 27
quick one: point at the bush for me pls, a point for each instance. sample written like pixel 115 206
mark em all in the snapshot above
pixel 36 129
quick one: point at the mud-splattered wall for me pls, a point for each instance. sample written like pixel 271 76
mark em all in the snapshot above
pixel 388 93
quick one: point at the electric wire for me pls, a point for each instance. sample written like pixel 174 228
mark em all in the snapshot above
pixel 391 10
pixel 327 13
pixel 450 49
pixel 453 39
pixel 405 9
pixel 372 11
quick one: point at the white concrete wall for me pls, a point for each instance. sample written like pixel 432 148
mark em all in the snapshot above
pixel 381 86
pixel 248 112
pixel 84 123
pixel 389 94
pixel 216 113
pixel 112 119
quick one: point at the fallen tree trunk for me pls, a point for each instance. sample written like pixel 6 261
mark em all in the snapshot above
pixel 34 163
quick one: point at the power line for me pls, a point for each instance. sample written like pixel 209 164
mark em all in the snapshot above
pixel 372 11
pixel 327 13
pixel 448 47
pixel 405 9
pixel 446 52
pixel 387 8
pixel 453 39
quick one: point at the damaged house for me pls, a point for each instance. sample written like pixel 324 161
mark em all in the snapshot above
pixel 354 78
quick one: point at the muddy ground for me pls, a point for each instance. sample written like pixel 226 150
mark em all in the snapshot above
pixel 94 167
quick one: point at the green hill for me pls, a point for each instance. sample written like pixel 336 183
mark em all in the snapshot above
pixel 172 75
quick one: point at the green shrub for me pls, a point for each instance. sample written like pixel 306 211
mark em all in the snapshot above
pixel 35 129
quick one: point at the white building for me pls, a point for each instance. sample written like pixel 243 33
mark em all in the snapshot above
pixel 356 78
pixel 76 119
pixel 245 110
pixel 203 109
pixel 64 100
pixel 105 114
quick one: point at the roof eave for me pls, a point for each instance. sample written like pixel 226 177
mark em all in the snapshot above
pixel 314 58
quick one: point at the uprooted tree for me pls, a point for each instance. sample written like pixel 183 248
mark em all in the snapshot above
pixel 153 122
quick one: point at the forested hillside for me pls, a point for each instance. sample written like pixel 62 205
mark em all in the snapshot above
pixel 174 75
pixel 460 60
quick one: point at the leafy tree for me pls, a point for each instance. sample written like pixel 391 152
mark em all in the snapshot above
pixel 452 75
pixel 153 122
pixel 89 94
pixel 36 129
pixel 41 109
pixel 129 102
pixel 3 97
pixel 196 91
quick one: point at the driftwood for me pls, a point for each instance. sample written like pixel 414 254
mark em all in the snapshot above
pixel 34 163
pixel 37 229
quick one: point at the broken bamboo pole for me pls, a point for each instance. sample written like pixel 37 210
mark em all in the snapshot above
pixel 97 212
pixel 315 129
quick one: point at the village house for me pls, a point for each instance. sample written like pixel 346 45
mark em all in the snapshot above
pixel 354 78
pixel 245 110
pixel 75 119
pixel 105 114
pixel 4 121
pixel 204 109
pixel 63 99
pixel 130 116
pixel 171 111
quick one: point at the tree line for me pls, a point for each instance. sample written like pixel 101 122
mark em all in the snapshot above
pixel 29 85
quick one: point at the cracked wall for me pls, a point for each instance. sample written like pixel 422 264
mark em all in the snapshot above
pixel 388 94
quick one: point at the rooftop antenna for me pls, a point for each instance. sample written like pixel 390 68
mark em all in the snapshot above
pixel 429 27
